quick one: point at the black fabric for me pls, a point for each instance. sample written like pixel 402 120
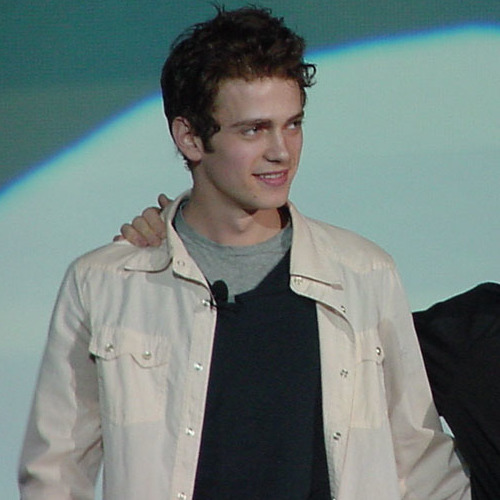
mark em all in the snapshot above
pixel 460 341
pixel 263 433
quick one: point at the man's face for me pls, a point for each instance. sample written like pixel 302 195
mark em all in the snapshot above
pixel 257 149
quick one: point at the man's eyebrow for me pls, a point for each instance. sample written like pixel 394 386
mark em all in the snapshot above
pixel 298 116
pixel 253 121
pixel 265 121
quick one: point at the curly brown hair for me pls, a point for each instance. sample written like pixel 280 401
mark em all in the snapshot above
pixel 246 43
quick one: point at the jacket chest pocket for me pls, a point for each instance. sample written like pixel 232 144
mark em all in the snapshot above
pixel 132 368
pixel 369 405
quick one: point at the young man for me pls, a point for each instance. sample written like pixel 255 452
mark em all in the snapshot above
pixel 256 353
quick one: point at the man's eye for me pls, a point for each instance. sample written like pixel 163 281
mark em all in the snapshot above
pixel 296 124
pixel 251 130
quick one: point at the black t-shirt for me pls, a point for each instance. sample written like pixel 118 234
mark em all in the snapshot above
pixel 263 431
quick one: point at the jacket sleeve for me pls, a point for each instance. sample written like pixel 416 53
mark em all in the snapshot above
pixel 428 467
pixel 62 450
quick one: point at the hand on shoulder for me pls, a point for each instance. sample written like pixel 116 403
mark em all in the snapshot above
pixel 147 229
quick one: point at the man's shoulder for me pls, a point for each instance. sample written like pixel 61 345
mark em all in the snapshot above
pixel 121 255
pixel 346 246
pixel 347 239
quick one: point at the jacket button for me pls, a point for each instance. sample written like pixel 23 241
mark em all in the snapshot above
pixel 189 431
pixel 198 367
pixel 378 350
pixel 337 436
pixel 146 355
pixel 109 347
pixel 344 373
pixel 181 496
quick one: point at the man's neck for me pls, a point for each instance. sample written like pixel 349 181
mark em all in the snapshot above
pixel 235 228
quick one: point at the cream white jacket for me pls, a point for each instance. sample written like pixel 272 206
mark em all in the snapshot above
pixel 125 372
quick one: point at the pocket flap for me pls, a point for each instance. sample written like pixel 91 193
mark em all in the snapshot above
pixel 109 342
pixel 370 347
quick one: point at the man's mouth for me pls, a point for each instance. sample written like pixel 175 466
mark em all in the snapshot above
pixel 273 179
pixel 273 175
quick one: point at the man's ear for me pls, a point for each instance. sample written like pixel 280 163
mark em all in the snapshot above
pixel 190 145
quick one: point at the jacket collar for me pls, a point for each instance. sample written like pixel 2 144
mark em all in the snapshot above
pixel 170 252
pixel 313 256
pixel 315 271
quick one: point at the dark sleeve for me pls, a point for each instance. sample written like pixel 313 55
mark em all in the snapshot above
pixel 450 331
pixel 460 342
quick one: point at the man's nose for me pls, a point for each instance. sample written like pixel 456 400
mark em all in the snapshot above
pixel 277 150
